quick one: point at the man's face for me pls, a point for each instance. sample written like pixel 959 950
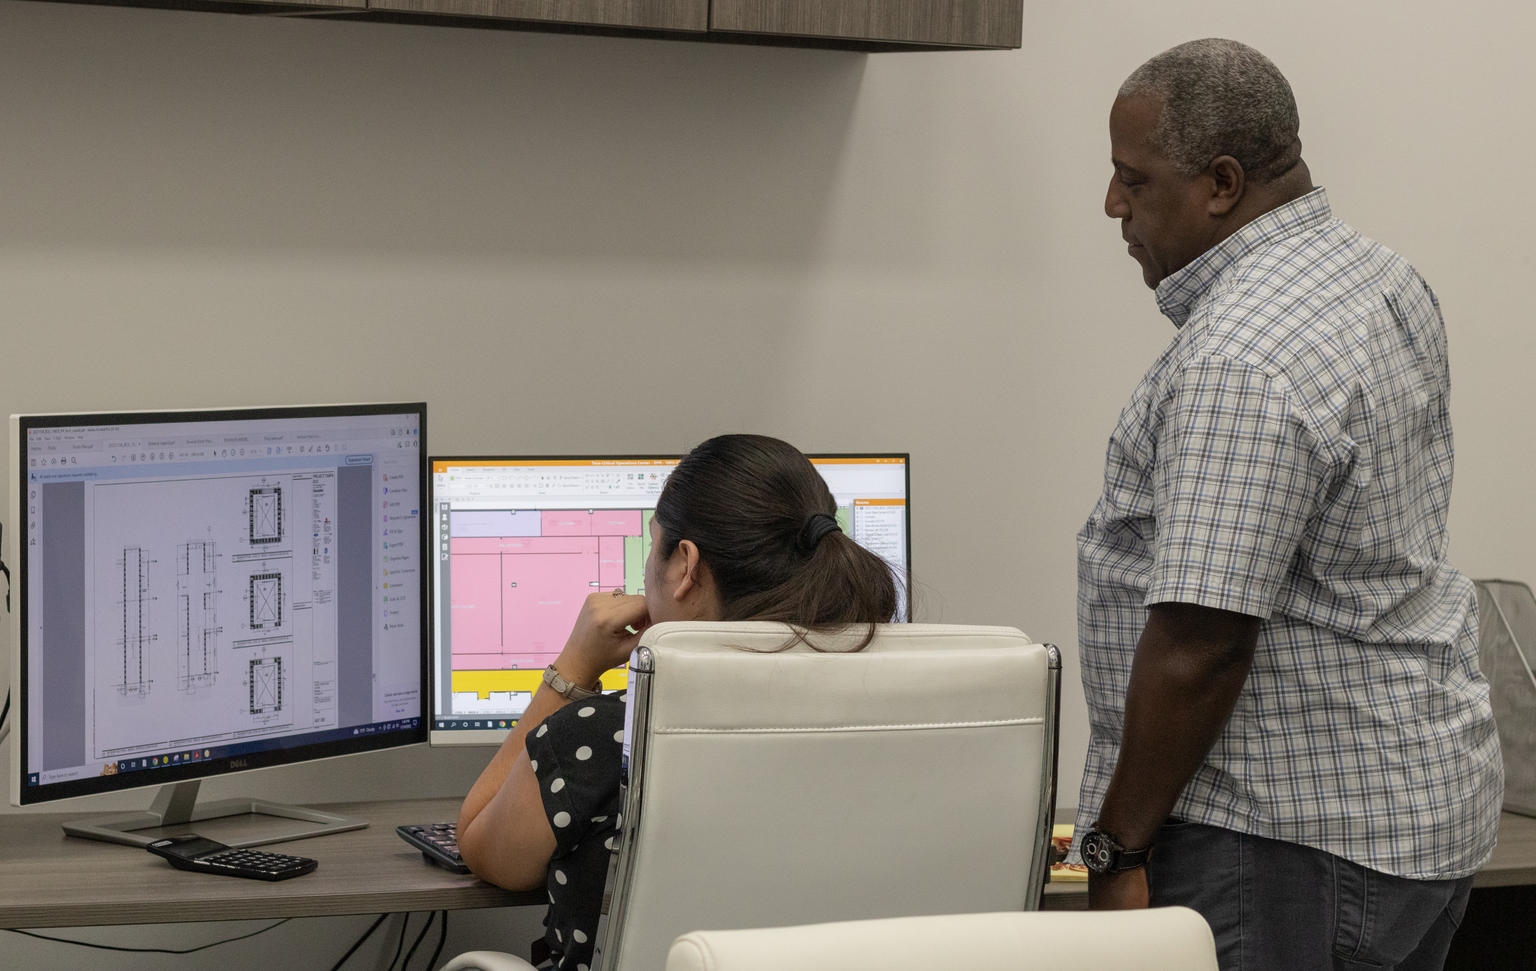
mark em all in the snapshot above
pixel 1164 216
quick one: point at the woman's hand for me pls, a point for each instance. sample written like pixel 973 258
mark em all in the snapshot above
pixel 503 833
pixel 601 639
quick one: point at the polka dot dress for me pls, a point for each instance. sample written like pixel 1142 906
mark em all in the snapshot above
pixel 575 755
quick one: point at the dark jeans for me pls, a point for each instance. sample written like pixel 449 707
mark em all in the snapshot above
pixel 1277 906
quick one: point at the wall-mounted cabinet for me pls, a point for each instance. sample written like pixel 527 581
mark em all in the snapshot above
pixel 870 25
pixel 940 23
pixel 672 15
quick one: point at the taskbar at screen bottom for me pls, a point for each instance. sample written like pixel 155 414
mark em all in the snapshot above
pixel 473 724
pixel 193 755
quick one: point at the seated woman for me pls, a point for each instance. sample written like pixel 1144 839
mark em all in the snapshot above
pixel 744 530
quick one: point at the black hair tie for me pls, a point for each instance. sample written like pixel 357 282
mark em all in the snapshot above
pixel 817 526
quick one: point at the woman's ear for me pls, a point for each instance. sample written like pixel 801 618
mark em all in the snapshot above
pixel 692 585
pixel 686 560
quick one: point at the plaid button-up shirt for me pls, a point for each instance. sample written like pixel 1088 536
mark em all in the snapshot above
pixel 1289 457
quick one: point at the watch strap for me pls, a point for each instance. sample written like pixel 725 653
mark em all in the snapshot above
pixel 569 690
pixel 1103 853
pixel 1131 859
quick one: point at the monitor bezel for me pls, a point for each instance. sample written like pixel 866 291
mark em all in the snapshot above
pixel 494 736
pixel 21 793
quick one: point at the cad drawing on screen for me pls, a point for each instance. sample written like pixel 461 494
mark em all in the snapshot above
pixel 206 592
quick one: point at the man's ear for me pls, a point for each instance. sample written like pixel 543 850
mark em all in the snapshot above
pixel 1228 180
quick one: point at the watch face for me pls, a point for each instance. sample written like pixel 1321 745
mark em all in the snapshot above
pixel 1097 854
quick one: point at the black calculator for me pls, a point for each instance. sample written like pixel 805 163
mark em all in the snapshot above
pixel 206 856
pixel 438 843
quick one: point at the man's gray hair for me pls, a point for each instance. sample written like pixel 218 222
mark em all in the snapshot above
pixel 1221 98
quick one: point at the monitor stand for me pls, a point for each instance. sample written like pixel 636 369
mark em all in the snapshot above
pixel 175 805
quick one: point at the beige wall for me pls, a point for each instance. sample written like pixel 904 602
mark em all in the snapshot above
pixel 577 244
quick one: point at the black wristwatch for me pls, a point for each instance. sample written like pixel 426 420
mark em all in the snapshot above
pixel 1102 854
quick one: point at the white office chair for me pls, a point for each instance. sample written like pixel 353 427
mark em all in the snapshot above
pixel 1165 939
pixel 769 787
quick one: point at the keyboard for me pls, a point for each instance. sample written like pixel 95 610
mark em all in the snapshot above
pixel 438 843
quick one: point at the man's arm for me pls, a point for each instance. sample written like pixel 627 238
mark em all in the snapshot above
pixel 1190 666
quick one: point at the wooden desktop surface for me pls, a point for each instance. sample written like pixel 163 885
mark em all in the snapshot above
pixel 1513 864
pixel 48 879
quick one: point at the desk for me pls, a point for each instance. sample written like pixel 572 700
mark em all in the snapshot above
pixel 1513 864
pixel 48 879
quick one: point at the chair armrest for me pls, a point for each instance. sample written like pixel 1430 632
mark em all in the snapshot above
pixel 487 961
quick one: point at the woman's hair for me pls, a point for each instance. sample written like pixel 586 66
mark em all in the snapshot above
pixel 764 522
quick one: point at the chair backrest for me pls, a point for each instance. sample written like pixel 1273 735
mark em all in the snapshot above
pixel 916 776
pixel 1163 939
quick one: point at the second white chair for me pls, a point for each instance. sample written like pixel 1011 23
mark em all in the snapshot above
pixel 1165 939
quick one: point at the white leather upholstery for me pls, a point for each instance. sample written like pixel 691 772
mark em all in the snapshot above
pixel 786 788
pixel 486 961
pixel 1165 939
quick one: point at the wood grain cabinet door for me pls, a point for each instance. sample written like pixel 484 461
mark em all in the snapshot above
pixel 689 15
pixel 958 23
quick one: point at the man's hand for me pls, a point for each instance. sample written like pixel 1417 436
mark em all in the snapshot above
pixel 1118 891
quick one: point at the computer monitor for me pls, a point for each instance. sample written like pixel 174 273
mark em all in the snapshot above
pixel 206 592
pixel 518 543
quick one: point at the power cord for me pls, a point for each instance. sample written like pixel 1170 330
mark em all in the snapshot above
pixel 419 938
pixel 5 713
pixel 359 943
pixel 442 937
pixel 6 570
pixel 151 950
pixel 5 725
pixel 400 944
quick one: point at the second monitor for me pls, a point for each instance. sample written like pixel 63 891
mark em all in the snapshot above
pixel 519 543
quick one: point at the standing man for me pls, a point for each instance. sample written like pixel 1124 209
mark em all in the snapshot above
pixel 1281 667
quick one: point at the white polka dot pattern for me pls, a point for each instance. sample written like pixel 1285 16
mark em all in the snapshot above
pixel 576 752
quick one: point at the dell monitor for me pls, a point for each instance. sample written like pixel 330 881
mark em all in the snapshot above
pixel 519 543
pixel 205 592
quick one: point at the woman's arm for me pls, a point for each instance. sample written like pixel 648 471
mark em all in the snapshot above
pixel 504 835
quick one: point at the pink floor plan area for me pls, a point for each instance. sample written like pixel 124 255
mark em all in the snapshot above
pixel 518 579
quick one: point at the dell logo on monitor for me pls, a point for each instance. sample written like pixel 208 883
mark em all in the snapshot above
pixel 237 763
